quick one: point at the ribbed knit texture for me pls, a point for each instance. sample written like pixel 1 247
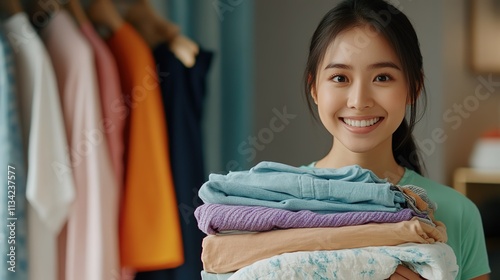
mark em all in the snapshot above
pixel 214 218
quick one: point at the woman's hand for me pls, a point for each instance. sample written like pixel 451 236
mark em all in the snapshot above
pixel 403 273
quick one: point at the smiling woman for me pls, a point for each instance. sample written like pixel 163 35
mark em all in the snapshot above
pixel 362 85
pixel 280 55
pixel 364 75
pixel 361 90
pixel 353 91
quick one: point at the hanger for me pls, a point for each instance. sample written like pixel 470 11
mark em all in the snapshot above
pixel 75 8
pixel 10 7
pixel 104 14
pixel 41 12
pixel 155 30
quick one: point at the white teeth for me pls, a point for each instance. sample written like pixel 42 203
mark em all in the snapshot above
pixel 363 123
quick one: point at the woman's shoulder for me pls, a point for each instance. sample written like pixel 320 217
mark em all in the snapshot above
pixel 411 177
pixel 442 194
pixel 463 223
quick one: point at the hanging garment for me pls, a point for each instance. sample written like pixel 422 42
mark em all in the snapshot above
pixel 183 91
pixel 110 95
pixel 91 220
pixel 50 186
pixel 150 235
pixel 13 236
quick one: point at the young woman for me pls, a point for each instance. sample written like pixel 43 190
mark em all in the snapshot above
pixel 363 76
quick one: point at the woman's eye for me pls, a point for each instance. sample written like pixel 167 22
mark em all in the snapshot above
pixel 382 78
pixel 339 79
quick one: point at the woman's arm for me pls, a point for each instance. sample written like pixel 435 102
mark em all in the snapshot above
pixel 404 273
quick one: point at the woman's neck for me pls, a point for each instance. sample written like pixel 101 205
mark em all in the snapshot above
pixel 379 160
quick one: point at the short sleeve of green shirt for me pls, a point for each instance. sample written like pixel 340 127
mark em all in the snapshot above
pixel 463 224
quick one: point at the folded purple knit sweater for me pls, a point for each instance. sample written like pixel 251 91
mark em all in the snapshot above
pixel 214 218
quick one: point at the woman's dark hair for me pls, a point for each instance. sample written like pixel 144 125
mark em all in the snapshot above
pixel 397 29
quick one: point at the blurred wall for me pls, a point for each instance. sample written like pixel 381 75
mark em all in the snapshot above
pixel 426 17
pixel 283 129
pixel 283 29
pixel 471 103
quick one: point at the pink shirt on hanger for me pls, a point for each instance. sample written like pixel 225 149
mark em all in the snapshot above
pixel 90 251
pixel 110 94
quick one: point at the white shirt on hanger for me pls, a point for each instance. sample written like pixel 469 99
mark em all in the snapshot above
pixel 50 186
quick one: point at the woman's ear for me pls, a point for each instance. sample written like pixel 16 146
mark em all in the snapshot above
pixel 419 88
pixel 409 100
pixel 420 85
pixel 314 94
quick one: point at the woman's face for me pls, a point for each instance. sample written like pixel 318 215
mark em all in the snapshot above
pixel 361 90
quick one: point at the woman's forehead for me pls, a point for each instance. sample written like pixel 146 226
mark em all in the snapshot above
pixel 359 45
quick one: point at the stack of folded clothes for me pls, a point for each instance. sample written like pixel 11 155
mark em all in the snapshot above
pixel 276 221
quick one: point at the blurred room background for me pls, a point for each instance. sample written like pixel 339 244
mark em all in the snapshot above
pixel 268 41
pixel 254 108
pixel 260 53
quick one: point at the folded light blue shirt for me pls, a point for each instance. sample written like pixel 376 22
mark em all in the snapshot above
pixel 282 186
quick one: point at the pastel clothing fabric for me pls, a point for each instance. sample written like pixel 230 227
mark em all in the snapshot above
pixel 13 235
pixel 420 204
pixel 215 276
pixel 227 253
pixel 50 187
pixel 215 218
pixel 463 221
pixel 422 200
pixel 109 93
pixel 277 185
pixel 150 234
pixel 431 261
pixel 91 219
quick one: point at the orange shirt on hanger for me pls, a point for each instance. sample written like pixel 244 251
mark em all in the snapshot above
pixel 150 236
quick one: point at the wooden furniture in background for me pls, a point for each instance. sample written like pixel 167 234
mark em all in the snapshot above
pixel 483 188
pixel 477 184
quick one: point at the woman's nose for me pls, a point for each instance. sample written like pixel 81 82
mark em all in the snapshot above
pixel 360 97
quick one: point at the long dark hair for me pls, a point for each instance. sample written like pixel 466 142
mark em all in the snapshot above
pixel 397 29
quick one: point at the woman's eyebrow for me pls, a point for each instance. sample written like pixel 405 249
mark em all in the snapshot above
pixel 338 65
pixel 377 65
pixel 384 64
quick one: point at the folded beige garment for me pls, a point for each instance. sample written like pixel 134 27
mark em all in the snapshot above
pixel 227 253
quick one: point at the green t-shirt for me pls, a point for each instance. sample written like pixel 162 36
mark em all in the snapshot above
pixel 463 224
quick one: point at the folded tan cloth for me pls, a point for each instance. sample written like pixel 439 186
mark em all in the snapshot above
pixel 226 253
